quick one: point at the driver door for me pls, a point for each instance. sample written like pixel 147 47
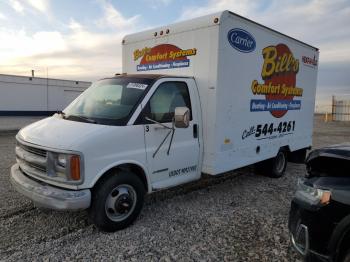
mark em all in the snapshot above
pixel 172 153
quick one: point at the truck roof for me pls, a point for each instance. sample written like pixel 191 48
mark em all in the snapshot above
pixel 195 23
pixel 341 151
pixel 147 76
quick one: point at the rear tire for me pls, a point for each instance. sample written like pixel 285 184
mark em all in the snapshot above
pixel 116 201
pixel 274 167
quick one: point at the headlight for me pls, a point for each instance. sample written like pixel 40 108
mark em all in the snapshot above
pixel 64 167
pixel 62 160
pixel 312 195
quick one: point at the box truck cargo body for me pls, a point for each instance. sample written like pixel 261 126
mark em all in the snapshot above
pixel 208 95
pixel 256 93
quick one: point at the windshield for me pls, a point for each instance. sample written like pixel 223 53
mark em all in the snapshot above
pixel 108 101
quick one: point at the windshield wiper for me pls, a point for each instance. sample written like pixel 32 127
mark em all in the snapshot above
pixel 62 114
pixel 171 131
pixel 84 118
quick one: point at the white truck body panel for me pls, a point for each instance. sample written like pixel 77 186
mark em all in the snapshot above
pixel 243 91
pixel 226 59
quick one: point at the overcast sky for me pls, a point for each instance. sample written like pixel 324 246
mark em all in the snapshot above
pixel 81 39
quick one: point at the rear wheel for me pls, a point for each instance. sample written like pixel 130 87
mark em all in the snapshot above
pixel 274 167
pixel 117 201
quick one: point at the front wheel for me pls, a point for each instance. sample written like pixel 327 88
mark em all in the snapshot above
pixel 117 201
pixel 274 167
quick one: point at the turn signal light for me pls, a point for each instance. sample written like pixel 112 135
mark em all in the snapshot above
pixel 75 167
pixel 325 198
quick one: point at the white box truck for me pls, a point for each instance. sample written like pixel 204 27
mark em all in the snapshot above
pixel 208 95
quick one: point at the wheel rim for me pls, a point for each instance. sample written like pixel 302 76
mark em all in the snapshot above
pixel 120 203
pixel 280 162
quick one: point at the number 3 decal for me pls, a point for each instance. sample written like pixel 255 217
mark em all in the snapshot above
pixel 147 128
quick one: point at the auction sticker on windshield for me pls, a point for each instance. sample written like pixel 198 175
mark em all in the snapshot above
pixel 137 86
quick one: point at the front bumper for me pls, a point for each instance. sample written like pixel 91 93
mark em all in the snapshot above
pixel 309 232
pixel 44 195
pixel 300 239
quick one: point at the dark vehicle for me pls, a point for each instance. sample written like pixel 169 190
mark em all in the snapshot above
pixel 319 219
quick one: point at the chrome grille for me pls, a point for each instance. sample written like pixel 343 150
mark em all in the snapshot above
pixel 36 151
pixel 31 160
pixel 39 167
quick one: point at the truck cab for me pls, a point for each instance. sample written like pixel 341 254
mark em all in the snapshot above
pixel 122 125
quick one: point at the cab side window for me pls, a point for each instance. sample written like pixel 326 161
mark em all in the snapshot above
pixel 165 99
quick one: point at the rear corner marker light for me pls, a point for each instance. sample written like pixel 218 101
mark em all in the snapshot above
pixel 75 167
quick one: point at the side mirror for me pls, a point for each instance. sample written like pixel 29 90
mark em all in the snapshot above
pixel 182 117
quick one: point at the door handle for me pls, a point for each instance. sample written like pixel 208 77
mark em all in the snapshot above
pixel 195 131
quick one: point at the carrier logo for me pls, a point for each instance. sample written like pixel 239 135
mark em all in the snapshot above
pixel 308 61
pixel 279 72
pixel 164 56
pixel 241 40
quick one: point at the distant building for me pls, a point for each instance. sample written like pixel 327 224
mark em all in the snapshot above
pixel 22 95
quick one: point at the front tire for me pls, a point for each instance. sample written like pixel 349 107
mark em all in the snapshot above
pixel 274 167
pixel 116 201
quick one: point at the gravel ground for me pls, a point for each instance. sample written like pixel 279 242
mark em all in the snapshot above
pixel 237 217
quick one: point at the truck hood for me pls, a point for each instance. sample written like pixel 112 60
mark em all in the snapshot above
pixel 336 151
pixel 57 133
pixel 329 161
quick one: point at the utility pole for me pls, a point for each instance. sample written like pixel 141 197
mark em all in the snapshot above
pixel 47 89
pixel 333 107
